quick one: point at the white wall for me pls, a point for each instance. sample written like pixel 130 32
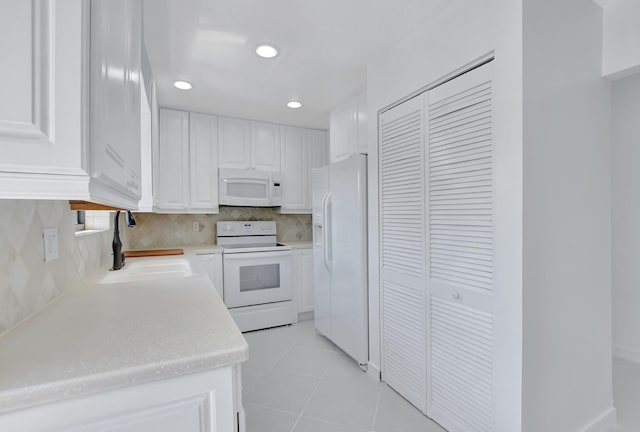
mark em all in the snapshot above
pixel 462 31
pixel 626 217
pixel 567 237
pixel 621 41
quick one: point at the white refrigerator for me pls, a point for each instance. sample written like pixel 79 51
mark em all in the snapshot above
pixel 339 199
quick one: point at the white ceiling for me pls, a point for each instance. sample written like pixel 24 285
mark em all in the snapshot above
pixel 324 46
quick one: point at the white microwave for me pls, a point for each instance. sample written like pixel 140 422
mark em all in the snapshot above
pixel 249 188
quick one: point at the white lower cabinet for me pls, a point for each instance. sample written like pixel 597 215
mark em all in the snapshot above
pixel 185 163
pixel 212 263
pixel 200 402
pixel 303 278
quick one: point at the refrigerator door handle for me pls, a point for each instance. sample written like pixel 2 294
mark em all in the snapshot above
pixel 326 229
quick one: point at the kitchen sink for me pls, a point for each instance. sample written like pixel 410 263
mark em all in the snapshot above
pixel 149 270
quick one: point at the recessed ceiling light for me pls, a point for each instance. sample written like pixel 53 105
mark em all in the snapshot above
pixel 267 51
pixel 182 85
pixel 294 104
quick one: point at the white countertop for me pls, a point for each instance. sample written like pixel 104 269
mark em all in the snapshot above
pixel 298 244
pixel 104 336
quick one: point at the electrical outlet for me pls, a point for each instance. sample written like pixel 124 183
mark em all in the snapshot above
pixel 196 226
pixel 50 236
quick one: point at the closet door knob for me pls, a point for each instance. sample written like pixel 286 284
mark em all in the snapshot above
pixel 455 295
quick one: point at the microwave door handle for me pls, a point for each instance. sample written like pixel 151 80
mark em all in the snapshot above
pixel 326 229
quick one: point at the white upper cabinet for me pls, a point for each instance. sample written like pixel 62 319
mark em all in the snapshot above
pixel 301 151
pixel 186 163
pixel 148 138
pixel 295 170
pixel 171 161
pixel 203 156
pixel 234 140
pixel 318 148
pixel 348 129
pixel 70 100
pixel 41 100
pixel 363 143
pixel 116 42
pixel 344 131
pixel 246 144
pixel 318 154
pixel 265 146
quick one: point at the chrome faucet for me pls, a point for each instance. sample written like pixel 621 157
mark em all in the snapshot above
pixel 118 256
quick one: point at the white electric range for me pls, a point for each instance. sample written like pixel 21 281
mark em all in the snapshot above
pixel 258 282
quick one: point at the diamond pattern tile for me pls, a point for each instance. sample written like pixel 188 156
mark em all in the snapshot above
pixel 27 282
pixel 163 231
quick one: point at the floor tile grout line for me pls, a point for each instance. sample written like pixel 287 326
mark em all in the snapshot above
pixel 324 375
pixel 272 408
pixel 306 405
pixel 329 422
pixel 375 413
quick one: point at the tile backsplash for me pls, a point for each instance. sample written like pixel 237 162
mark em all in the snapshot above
pixel 27 282
pixel 163 231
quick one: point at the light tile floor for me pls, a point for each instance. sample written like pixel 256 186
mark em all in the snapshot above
pixel 297 381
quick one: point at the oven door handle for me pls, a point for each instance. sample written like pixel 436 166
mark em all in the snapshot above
pixel 326 229
pixel 262 255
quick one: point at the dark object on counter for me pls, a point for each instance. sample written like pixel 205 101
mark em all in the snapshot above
pixel 118 256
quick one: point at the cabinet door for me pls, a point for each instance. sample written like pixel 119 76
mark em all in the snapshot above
pixel 115 98
pixel 318 148
pixel 461 243
pixel 41 99
pixel 203 154
pixel 196 402
pixel 318 154
pixel 344 131
pixel 304 271
pixel 265 146
pixel 234 141
pixel 403 252
pixel 172 161
pixel 295 169
pixel 149 133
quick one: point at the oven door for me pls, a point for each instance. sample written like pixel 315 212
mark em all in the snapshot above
pixel 254 278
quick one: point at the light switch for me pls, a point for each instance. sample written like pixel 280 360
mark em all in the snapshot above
pixel 196 226
pixel 50 236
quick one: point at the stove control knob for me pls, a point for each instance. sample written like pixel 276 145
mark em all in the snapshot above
pixel 270 228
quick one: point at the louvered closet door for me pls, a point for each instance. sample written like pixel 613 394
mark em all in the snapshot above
pixel 403 250
pixel 460 213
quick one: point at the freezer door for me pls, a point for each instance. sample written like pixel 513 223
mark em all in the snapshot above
pixel 348 256
pixel 321 275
